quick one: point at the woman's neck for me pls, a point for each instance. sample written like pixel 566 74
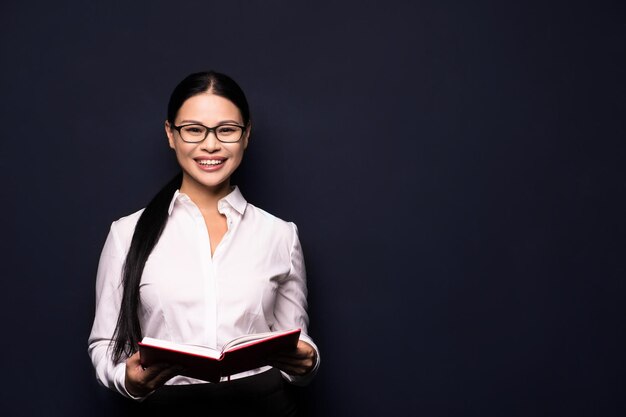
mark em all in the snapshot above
pixel 204 197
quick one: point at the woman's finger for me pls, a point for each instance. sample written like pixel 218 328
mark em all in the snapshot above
pixel 158 377
pixel 288 368
pixel 289 359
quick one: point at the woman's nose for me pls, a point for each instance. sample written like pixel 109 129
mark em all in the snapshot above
pixel 210 143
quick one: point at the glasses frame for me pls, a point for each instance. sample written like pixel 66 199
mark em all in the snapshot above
pixel 209 130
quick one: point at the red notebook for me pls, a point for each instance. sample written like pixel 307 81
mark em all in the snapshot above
pixel 240 354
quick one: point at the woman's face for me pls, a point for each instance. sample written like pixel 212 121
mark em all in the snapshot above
pixel 209 163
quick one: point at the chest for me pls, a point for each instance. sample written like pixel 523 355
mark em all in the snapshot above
pixel 188 270
pixel 216 227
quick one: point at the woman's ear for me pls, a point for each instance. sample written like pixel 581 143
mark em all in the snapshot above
pixel 246 136
pixel 170 135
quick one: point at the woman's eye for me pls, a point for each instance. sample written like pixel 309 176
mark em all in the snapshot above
pixel 227 130
pixel 193 130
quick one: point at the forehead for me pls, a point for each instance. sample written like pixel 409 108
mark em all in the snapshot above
pixel 208 108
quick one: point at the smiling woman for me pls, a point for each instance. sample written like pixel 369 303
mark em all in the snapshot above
pixel 200 265
pixel 201 149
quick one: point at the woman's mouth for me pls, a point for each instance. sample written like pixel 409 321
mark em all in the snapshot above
pixel 210 164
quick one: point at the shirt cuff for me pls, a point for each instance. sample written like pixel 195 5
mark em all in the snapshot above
pixel 120 384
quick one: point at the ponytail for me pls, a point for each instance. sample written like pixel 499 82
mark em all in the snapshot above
pixel 147 233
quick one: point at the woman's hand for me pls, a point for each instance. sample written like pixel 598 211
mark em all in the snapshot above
pixel 299 361
pixel 141 381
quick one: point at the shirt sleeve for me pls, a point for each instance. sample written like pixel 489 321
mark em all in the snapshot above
pixel 290 310
pixel 108 300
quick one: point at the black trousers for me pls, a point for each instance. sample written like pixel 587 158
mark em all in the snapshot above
pixel 264 394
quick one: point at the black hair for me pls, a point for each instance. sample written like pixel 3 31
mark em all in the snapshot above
pixel 218 84
pixel 153 219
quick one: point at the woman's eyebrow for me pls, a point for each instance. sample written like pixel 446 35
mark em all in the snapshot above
pixel 190 121
pixel 219 123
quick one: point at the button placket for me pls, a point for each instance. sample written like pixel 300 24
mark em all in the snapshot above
pixel 209 278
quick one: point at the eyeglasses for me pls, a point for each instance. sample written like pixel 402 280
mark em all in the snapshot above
pixel 225 133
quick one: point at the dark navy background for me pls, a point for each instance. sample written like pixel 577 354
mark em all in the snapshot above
pixel 456 170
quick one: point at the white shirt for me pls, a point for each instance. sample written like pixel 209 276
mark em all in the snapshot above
pixel 254 282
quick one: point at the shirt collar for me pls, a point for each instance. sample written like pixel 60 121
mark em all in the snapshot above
pixel 234 199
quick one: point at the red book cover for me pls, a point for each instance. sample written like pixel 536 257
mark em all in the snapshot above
pixel 241 354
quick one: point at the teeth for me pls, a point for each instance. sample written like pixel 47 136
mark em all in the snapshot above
pixel 210 161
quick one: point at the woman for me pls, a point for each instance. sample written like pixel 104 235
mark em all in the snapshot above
pixel 200 265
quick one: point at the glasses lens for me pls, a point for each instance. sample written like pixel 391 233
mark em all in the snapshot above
pixel 193 133
pixel 229 133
